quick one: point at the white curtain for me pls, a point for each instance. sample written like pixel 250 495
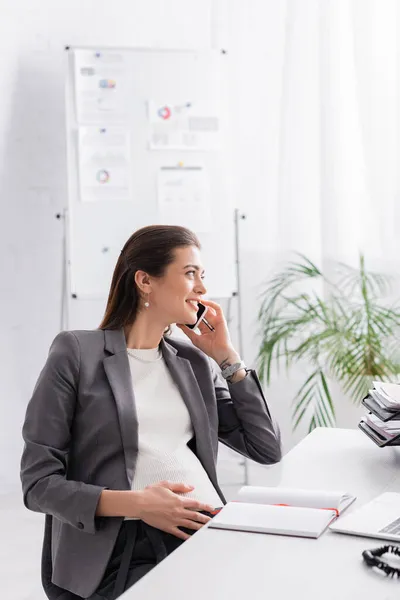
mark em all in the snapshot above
pixel 338 184
pixel 315 100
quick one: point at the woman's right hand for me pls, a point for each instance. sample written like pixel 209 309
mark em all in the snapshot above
pixel 161 506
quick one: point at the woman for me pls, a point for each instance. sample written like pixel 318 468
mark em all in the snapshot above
pixel 122 429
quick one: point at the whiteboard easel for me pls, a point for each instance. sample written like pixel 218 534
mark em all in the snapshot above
pixel 100 219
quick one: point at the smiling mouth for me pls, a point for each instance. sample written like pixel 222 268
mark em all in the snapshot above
pixel 193 303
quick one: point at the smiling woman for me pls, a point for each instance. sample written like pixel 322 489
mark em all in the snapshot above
pixel 172 297
pixel 158 261
pixel 121 433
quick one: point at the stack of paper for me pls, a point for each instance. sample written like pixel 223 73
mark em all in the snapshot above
pixel 388 429
pixel 387 395
pixel 386 404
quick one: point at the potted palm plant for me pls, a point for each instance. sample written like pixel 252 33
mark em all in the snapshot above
pixel 344 330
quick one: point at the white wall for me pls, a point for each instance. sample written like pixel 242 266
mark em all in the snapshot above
pixel 32 163
pixel 32 166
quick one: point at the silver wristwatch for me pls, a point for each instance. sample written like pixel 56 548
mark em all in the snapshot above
pixel 228 372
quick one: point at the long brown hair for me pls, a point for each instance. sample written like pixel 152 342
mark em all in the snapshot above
pixel 150 249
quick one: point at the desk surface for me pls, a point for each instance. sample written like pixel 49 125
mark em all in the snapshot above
pixel 215 564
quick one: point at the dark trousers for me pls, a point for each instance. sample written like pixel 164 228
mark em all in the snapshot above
pixel 138 548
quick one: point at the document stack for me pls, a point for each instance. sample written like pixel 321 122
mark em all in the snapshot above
pixel 382 423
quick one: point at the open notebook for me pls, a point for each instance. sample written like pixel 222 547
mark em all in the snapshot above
pixel 284 511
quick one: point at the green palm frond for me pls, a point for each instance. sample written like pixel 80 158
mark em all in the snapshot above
pixel 348 336
pixel 293 273
pixel 314 396
pixel 377 284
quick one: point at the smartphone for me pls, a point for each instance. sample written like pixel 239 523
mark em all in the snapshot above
pixel 201 313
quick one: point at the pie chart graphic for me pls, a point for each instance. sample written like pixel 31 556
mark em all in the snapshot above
pixel 103 176
pixel 164 112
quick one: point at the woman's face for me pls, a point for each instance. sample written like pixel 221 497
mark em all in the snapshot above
pixel 174 296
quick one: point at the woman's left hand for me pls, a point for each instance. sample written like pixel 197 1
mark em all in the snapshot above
pixel 216 344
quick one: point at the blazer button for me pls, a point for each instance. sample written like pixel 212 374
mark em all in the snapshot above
pixel 80 525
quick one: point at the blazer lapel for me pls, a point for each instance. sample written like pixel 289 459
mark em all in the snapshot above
pixel 118 373
pixel 184 377
pixel 117 370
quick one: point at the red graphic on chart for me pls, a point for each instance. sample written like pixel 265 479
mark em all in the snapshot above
pixel 164 112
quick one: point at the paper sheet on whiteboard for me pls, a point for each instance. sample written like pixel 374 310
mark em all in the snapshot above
pixel 184 198
pixel 104 163
pixel 100 87
pixel 184 126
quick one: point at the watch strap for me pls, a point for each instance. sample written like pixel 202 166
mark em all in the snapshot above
pixel 232 369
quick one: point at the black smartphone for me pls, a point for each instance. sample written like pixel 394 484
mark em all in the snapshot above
pixel 201 313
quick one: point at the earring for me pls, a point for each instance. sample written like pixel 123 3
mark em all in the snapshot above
pixel 147 303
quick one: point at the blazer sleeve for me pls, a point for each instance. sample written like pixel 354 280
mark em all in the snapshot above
pixel 47 435
pixel 245 422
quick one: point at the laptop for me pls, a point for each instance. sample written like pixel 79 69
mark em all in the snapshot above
pixel 379 518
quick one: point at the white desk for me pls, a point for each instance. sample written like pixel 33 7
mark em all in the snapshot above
pixel 219 565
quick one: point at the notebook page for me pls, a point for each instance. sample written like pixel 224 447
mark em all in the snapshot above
pixel 282 520
pixel 292 497
pixel 345 501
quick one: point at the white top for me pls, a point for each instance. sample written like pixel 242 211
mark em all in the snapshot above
pixel 165 428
